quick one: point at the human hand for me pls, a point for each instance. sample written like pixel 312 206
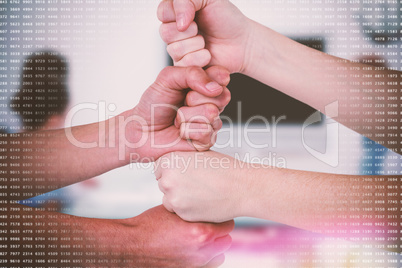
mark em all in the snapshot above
pixel 221 38
pixel 204 186
pixel 155 238
pixel 161 123
pixel 158 238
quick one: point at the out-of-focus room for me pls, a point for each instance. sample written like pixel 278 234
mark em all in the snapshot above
pixel 114 53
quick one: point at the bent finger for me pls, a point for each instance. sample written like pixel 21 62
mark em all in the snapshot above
pixel 204 114
pixel 177 50
pixel 199 58
pixel 179 78
pixel 170 34
pixel 185 13
pixel 215 262
pixel 165 11
pixel 224 228
pixel 194 98
pixel 201 136
pixel 166 204
pixel 219 74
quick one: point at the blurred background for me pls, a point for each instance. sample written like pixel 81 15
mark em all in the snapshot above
pixel 114 52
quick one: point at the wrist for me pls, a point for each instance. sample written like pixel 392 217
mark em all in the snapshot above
pixel 131 129
pixel 260 51
pixel 250 47
pixel 257 189
pixel 244 174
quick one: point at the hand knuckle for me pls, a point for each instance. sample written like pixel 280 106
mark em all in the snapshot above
pixel 203 233
pixel 201 136
pixel 161 11
pixel 211 111
pixel 164 184
pixel 177 205
pixel 197 230
pixel 206 136
pixel 204 57
pixel 181 114
pixel 166 72
pixel 218 123
pixel 193 72
pixel 165 201
pixel 193 29
pixel 175 50
pixel 190 98
pixel 200 39
pixel 204 148
pixel 228 96
pixel 163 31
pixel 171 52
pixel 180 63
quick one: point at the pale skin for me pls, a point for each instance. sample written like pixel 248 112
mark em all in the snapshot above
pixel 350 207
pixel 315 78
pixel 47 160
pixel 308 199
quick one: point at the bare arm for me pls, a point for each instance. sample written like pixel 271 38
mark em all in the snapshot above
pixel 358 208
pixel 368 96
pixel 38 162
pixel 156 238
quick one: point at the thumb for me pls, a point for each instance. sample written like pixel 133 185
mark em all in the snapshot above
pixel 185 12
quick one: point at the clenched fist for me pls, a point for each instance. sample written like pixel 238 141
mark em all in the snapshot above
pixel 178 112
pixel 205 32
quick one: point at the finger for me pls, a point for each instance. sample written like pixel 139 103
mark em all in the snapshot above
pixel 179 78
pixel 162 164
pixel 215 262
pixel 219 74
pixel 185 13
pixel 165 184
pixel 216 126
pixel 224 228
pixel 223 243
pixel 199 58
pixel 202 146
pixel 195 99
pixel 201 136
pixel 204 114
pixel 170 34
pixel 158 168
pixel 161 187
pixel 216 122
pixel 166 204
pixel 165 11
pixel 216 248
pixel 177 50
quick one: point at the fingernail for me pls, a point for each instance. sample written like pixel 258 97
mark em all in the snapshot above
pixel 213 86
pixel 180 21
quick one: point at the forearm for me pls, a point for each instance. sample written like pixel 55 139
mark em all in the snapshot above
pixel 35 237
pixel 38 162
pixel 359 208
pixel 38 237
pixel 318 79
